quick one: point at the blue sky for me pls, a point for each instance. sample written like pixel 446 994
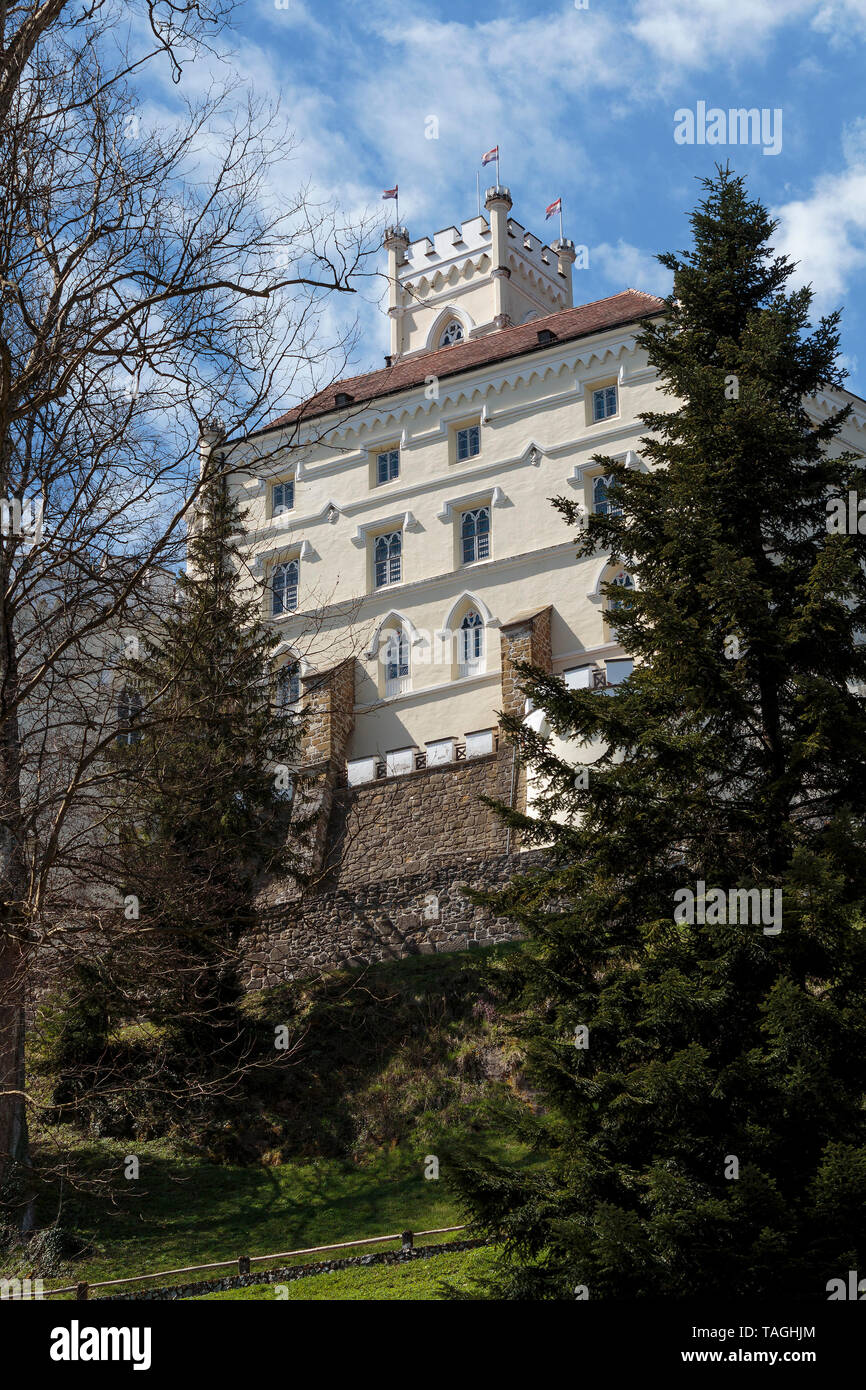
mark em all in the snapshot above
pixel 582 102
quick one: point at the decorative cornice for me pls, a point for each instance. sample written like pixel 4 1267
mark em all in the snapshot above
pixel 495 496
pixel 301 550
pixel 582 470
pixel 405 521
pixel 478 571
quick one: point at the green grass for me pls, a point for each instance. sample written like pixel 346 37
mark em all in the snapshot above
pixel 182 1212
pixel 420 1280
pixel 392 1053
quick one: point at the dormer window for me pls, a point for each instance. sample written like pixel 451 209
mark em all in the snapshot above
pixel 453 333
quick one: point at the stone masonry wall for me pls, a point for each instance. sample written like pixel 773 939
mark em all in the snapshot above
pixel 393 856
pixel 399 853
pixel 404 824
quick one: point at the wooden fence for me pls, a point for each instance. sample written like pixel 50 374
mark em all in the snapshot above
pixel 242 1263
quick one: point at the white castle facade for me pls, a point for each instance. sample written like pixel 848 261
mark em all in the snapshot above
pixel 403 517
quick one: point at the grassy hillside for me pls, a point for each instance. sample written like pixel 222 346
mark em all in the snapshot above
pixel 420 1280
pixel 328 1147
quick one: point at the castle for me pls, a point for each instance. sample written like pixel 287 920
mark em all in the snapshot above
pixel 401 533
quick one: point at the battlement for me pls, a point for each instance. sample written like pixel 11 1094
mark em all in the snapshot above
pixel 450 245
pixel 487 274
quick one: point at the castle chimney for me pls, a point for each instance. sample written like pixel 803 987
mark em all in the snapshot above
pixel 396 244
pixel 497 200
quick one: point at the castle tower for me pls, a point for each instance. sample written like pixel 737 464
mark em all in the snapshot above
pixel 479 278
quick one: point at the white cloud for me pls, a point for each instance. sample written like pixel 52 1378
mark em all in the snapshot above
pixel 627 266
pixel 825 232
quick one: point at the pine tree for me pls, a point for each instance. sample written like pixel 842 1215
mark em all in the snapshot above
pixel 207 777
pixel 706 1133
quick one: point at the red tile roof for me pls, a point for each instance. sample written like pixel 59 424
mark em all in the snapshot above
pixel 567 324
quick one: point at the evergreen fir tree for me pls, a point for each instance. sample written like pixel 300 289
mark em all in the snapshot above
pixel 710 1136
pixel 207 779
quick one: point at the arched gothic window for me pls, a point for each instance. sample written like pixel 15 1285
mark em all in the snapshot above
pixel 129 705
pixel 623 580
pixel 475 535
pixel 396 658
pixel 452 333
pixel 288 687
pixel 284 589
pixel 600 500
pixel 387 558
pixel 470 644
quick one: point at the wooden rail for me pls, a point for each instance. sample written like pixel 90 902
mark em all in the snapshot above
pixel 242 1262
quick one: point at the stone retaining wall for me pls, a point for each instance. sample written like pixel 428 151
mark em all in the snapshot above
pixel 406 915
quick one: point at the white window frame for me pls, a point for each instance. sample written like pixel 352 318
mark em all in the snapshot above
pixel 602 393
pixel 289 566
pixel 470 644
pixel 625 581
pixel 481 540
pixel 452 333
pixel 129 707
pixel 603 506
pixel 277 509
pixel 392 455
pixel 397 661
pixel 389 577
pixel 470 433
pixel 288 687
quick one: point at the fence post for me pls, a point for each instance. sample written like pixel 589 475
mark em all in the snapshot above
pixel 81 1291
pixel 408 1240
pixel 243 1264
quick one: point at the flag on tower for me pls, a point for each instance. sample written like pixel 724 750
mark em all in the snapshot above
pixel 390 192
pixel 491 155
pixel 553 209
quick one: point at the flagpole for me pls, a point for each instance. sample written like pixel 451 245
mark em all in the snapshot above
pixel 397 204
pixel 478 191
pixel 561 237
pixel 498 178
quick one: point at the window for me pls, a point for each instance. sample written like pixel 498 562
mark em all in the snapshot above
pixel 468 442
pixel 282 497
pixel 284 589
pixel 600 501
pixel 578 678
pixel 396 656
pixel 475 535
pixel 387 559
pixel 388 466
pixel 604 402
pixel 617 672
pixel 453 333
pixel 622 580
pixel 471 644
pixel 288 687
pixel 128 711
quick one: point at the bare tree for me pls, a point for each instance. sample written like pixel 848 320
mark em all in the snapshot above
pixel 148 280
